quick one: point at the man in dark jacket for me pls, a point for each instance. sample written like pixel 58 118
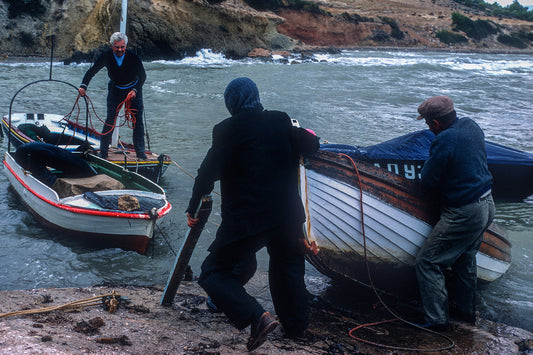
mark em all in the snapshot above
pixel 127 76
pixel 255 155
pixel 457 171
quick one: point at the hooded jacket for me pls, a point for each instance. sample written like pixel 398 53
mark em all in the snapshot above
pixel 255 155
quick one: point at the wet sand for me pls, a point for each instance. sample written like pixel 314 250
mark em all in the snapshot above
pixel 141 325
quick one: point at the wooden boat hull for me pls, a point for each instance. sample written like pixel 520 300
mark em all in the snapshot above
pixel 78 216
pixel 397 220
pixel 69 135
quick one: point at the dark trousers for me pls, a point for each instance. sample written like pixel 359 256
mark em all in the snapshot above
pixel 114 97
pixel 286 279
pixel 453 242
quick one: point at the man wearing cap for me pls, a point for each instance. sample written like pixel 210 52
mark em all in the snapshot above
pixel 457 172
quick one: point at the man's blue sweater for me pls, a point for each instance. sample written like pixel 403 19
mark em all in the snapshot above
pixel 457 164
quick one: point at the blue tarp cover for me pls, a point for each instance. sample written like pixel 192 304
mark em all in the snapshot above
pixel 415 146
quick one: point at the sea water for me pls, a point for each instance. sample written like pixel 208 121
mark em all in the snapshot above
pixel 352 97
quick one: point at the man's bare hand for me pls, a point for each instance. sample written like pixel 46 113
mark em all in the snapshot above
pixel 191 221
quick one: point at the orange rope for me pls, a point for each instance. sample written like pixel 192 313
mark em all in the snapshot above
pixel 129 113
pixel 452 344
pixel 92 110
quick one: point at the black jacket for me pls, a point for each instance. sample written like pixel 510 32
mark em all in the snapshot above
pixel 131 70
pixel 255 155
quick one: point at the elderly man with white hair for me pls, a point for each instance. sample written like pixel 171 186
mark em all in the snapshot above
pixel 126 78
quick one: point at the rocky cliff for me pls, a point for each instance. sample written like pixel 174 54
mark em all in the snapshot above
pixel 176 28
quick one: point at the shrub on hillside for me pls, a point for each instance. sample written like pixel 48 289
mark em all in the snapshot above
pixel 478 29
pixel 523 35
pixel 450 37
pixel 264 4
pixel 17 8
pixel 27 39
pixel 355 18
pixel 290 4
pixel 380 36
pixel 511 41
pixel 514 10
pixel 395 29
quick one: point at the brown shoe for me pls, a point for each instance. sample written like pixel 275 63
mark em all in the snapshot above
pixel 260 329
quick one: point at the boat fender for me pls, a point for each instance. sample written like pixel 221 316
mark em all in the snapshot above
pixel 37 156
pixel 36 133
pixel 153 213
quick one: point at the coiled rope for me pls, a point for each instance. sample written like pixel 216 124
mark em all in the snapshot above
pixel 451 342
pixel 128 118
pixel 129 113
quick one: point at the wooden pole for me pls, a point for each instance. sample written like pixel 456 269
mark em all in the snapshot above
pixel 185 253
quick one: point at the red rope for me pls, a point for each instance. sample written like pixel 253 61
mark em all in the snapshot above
pixel 129 116
pixel 92 111
pixel 377 293
pixel 129 113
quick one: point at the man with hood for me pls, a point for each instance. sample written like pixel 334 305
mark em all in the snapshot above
pixel 255 155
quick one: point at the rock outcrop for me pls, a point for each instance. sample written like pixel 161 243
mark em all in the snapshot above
pixel 172 29
pixel 156 28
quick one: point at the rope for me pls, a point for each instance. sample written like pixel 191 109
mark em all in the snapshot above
pixel 129 113
pixel 112 302
pixel 190 175
pixel 451 345
pixel 166 240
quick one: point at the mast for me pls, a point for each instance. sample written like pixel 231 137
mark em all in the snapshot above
pixel 115 137
pixel 123 16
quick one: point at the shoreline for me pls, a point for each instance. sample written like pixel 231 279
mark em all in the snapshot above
pixel 6 58
pixel 142 325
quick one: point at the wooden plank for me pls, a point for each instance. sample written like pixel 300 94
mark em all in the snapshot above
pixel 185 253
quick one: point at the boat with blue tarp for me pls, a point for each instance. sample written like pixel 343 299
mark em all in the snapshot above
pixel 512 169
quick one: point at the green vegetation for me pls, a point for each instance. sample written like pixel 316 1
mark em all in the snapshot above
pixel 30 7
pixel 515 10
pixel 355 18
pixel 478 29
pixel 528 36
pixel 512 41
pixel 380 36
pixel 265 4
pixel 450 37
pixel 395 30
pixel 276 4
pixel 27 39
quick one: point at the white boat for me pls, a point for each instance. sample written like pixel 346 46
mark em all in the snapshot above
pixel 58 130
pixel 90 208
pixel 397 219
